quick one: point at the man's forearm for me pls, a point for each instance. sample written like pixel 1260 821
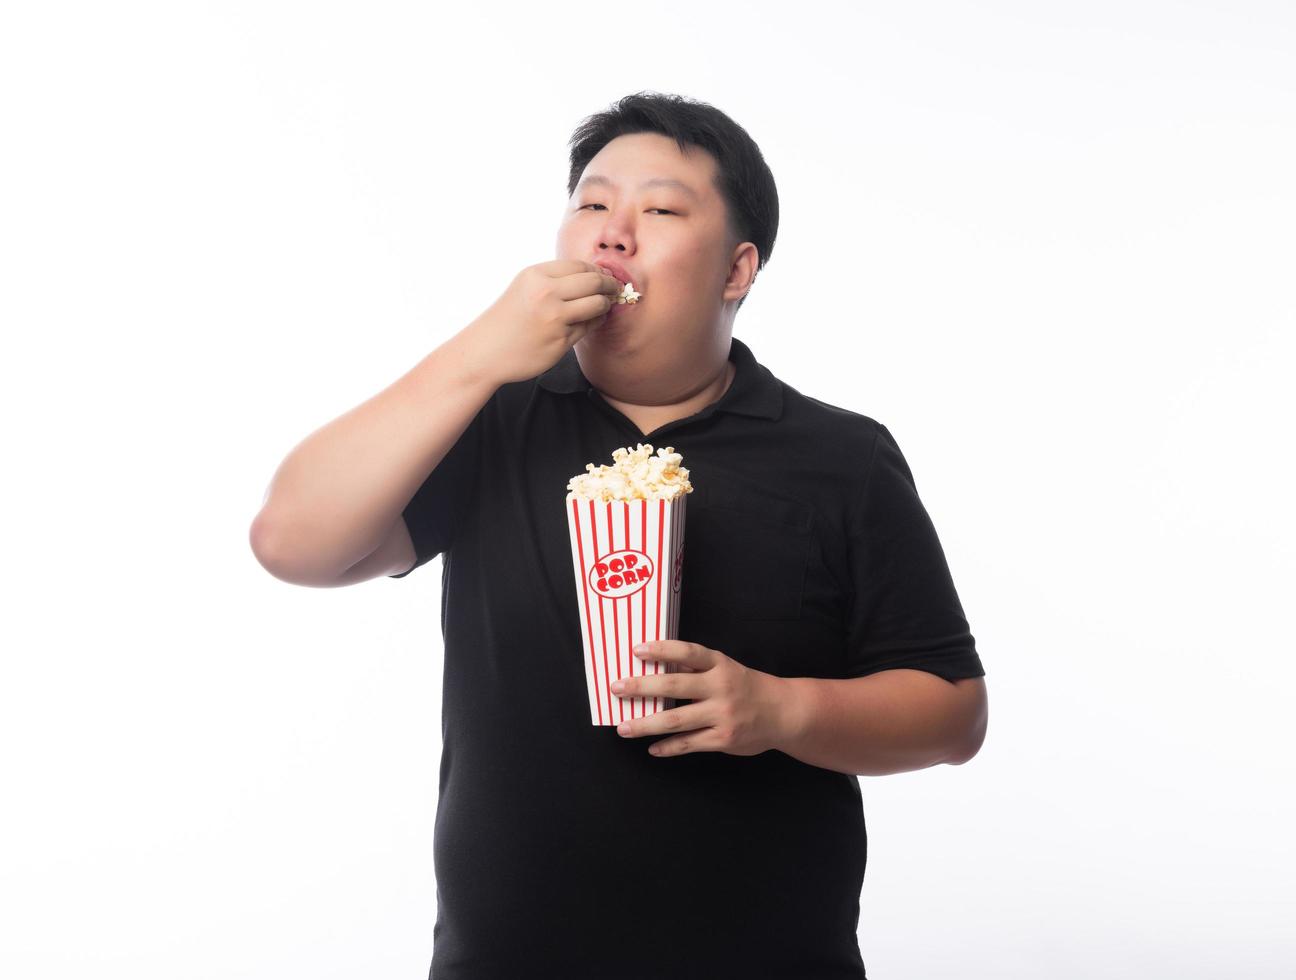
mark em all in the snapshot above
pixel 888 722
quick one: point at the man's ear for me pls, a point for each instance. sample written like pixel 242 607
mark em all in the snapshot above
pixel 743 265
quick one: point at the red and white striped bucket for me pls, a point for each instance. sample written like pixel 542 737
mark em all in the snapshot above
pixel 628 559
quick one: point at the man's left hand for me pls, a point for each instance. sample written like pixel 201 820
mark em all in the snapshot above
pixel 735 709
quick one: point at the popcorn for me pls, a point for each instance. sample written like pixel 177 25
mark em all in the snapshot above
pixel 626 524
pixel 636 475
pixel 628 294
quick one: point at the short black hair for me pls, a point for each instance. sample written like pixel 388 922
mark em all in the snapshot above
pixel 743 179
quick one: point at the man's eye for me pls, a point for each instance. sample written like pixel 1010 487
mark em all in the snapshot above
pixel 584 206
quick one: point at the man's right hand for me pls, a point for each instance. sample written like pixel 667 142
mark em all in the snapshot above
pixel 545 311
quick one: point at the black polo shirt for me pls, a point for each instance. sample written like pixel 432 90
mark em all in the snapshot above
pixel 563 849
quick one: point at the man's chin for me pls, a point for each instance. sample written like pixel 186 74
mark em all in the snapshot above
pixel 610 337
pixel 608 358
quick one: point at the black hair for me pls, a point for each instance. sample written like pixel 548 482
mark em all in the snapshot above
pixel 743 179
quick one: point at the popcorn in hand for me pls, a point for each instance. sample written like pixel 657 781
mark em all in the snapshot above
pixel 628 294
pixel 636 475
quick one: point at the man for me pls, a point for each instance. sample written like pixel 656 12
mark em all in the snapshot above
pixel 821 636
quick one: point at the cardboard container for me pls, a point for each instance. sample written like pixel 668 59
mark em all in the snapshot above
pixel 628 559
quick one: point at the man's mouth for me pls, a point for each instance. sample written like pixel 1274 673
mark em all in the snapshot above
pixel 614 269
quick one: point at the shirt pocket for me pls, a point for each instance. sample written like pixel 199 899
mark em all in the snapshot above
pixel 746 551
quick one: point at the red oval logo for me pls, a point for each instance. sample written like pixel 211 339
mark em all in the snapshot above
pixel 620 573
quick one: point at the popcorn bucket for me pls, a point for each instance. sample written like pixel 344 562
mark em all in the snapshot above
pixel 627 556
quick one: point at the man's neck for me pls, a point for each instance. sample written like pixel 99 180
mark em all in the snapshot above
pixel 651 417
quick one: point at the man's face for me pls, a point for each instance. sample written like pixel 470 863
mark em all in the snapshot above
pixel 672 242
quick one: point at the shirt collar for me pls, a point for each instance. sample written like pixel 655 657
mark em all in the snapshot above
pixel 754 390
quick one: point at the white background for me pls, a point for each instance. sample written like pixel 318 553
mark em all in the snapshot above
pixel 1067 232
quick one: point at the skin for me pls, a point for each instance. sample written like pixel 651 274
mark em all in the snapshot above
pixel 665 357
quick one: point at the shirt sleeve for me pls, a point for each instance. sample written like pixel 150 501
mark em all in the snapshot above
pixel 439 505
pixel 905 611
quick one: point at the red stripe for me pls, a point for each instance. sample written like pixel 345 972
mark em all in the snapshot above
pixel 661 516
pixel 616 629
pixel 602 627
pixel 676 532
pixel 625 509
pixel 589 626
pixel 678 519
pixel 675 596
pixel 643 593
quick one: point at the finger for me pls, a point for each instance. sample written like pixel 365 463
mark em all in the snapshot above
pixel 575 311
pixel 587 284
pixel 677 651
pixel 706 740
pixel 669 722
pixel 688 686
pixel 557 268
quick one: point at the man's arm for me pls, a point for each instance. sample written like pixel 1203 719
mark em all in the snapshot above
pixel 331 512
pixel 329 516
pixel 888 722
